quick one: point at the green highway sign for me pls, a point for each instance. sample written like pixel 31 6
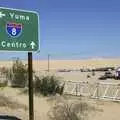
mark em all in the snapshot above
pixel 19 30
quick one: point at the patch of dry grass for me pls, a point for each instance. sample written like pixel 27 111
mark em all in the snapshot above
pixel 7 102
pixel 70 109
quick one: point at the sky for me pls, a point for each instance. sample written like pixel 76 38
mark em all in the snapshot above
pixel 73 28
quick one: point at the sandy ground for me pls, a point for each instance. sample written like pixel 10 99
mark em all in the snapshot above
pixel 75 64
pixel 107 110
pixel 40 65
pixel 40 104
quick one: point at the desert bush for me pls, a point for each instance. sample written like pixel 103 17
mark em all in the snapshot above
pixel 7 72
pixel 20 74
pixel 47 85
pixel 17 74
pixel 69 111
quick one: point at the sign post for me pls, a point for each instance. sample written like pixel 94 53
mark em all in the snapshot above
pixel 19 32
pixel 30 78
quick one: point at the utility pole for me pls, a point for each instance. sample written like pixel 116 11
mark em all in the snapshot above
pixel 48 62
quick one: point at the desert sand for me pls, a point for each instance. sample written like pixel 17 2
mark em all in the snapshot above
pixel 68 64
pixel 109 110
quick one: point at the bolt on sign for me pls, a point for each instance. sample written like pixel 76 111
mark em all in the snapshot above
pixel 19 30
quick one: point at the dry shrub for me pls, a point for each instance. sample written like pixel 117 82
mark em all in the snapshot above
pixel 47 85
pixel 17 75
pixel 70 111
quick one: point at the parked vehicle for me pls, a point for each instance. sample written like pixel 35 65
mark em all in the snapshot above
pixel 106 76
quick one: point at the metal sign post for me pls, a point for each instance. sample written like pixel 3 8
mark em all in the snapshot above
pixel 30 74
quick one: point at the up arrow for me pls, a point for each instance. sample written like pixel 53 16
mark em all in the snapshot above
pixel 32 44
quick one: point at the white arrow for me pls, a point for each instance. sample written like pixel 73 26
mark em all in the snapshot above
pixel 32 44
pixel 2 15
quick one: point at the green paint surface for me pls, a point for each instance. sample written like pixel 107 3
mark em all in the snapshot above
pixel 27 39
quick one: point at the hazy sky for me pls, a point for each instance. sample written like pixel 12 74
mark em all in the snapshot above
pixel 74 27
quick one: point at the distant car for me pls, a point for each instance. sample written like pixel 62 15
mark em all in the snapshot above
pixel 102 77
pixel 106 76
pixel 104 69
pixel 64 70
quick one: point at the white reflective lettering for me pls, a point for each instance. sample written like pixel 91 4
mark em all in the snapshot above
pixel 3 43
pixel 22 17
pixel 8 45
pixel 19 17
pixel 24 45
pixel 13 44
pixel 17 45
pixel 12 15
pixel 27 18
